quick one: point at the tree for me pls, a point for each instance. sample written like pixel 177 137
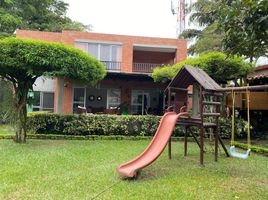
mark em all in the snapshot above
pixel 240 26
pixel 6 100
pixel 218 65
pixel 209 39
pixel 43 15
pixel 23 61
pixel 245 23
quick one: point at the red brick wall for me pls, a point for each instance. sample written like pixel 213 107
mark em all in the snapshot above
pixel 69 37
pixel 67 106
pixel 39 35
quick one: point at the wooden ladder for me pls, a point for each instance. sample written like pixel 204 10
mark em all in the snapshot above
pixel 212 101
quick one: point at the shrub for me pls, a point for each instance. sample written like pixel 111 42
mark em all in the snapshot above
pixel 218 65
pixel 109 125
pixel 128 125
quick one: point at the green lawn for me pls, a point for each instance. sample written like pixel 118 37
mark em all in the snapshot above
pixel 6 129
pixel 66 169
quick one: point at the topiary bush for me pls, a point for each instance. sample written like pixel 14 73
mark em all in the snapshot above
pixel 109 125
pixel 129 125
pixel 218 65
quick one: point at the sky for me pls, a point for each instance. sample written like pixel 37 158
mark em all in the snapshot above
pixel 151 18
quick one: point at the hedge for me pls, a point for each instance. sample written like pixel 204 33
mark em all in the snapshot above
pixel 125 125
pixel 253 148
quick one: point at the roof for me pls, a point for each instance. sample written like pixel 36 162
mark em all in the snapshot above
pixel 188 75
pixel 260 73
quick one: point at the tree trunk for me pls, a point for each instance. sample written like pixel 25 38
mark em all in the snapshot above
pixel 21 125
pixel 21 101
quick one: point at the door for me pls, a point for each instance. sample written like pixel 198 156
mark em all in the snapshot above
pixel 140 102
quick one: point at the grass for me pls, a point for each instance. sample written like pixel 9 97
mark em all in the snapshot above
pixel 66 169
pixel 6 129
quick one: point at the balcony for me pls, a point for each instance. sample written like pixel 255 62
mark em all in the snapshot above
pixel 145 67
pixel 112 66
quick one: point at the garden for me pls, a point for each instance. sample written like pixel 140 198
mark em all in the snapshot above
pixel 69 156
pixel 81 162
pixel 72 169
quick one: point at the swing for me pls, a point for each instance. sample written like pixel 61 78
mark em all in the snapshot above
pixel 233 152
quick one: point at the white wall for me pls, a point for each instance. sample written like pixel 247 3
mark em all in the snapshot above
pixel 44 84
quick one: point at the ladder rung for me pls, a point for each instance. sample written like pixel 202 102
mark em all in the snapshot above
pixel 211 114
pixel 211 103
pixel 209 124
pixel 213 94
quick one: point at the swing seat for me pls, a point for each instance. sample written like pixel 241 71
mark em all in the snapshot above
pixel 239 155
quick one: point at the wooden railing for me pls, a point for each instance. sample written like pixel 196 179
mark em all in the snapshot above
pixel 145 67
pixel 112 65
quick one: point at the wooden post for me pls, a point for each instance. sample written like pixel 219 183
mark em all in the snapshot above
pixel 169 142
pixel 223 146
pixel 169 97
pixel 202 126
pixel 169 149
pixel 216 132
pixel 185 140
pixel 195 102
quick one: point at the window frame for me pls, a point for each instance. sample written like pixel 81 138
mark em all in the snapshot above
pixel 108 104
pixel 78 102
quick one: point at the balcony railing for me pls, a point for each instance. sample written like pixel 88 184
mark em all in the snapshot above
pixel 145 67
pixel 112 65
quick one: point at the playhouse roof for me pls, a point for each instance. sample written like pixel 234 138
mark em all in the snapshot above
pixel 188 75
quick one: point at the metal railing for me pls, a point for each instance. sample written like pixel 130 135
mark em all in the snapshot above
pixel 145 67
pixel 112 65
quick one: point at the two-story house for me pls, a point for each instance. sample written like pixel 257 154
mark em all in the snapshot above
pixel 129 60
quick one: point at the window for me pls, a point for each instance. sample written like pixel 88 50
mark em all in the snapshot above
pixel 113 98
pixel 109 54
pixel 140 102
pixel 79 98
pixel 43 101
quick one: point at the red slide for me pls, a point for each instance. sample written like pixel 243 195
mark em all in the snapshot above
pixel 155 148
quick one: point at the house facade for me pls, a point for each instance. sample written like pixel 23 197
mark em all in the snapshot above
pixel 129 61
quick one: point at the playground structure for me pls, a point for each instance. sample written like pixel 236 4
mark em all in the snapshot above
pixel 206 109
pixel 206 104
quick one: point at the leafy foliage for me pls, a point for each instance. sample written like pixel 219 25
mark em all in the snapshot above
pixel 6 102
pixel 245 23
pixel 23 58
pixel 23 61
pixel 43 15
pixel 220 67
pixel 237 27
pixel 207 40
pixel 111 125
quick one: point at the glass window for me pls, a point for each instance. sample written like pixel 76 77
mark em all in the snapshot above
pixel 79 98
pixel 43 101
pixel 36 99
pixel 79 94
pixel 105 54
pixel 82 46
pixel 93 49
pixel 116 53
pixel 113 98
pixel 48 100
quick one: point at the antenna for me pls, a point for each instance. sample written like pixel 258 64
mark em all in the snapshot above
pixel 180 11
pixel 172 8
